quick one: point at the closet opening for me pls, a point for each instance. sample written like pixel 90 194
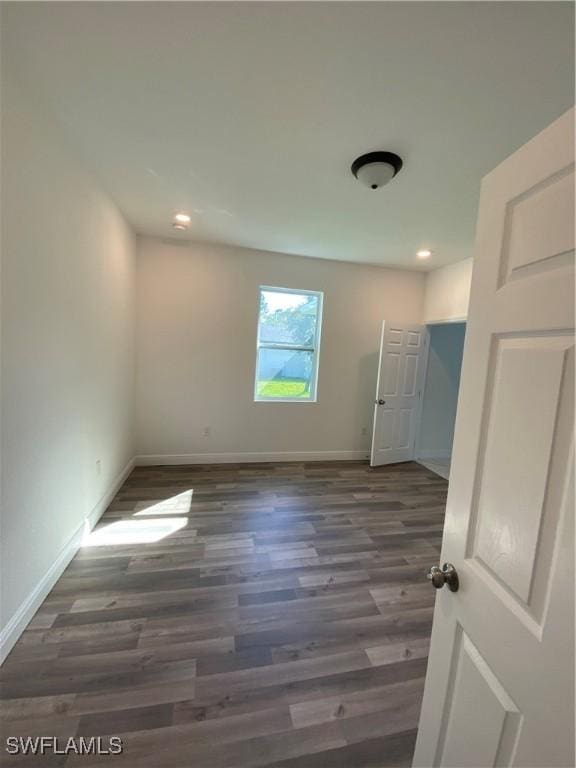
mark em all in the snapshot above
pixel 435 433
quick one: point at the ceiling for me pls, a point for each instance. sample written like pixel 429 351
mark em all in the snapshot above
pixel 248 115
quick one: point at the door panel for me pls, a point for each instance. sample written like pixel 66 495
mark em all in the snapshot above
pixel 387 431
pixel 499 687
pixel 391 374
pixel 512 482
pixel 478 696
pixel 404 428
pixel 410 374
pixel 539 229
pixel 400 376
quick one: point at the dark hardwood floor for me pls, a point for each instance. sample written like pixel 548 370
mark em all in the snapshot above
pixel 239 615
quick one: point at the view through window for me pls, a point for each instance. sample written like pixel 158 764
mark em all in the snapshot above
pixel 288 343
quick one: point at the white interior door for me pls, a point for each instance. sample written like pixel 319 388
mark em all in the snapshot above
pixel 500 683
pixel 398 392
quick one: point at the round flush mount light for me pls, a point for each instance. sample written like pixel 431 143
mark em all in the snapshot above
pixel 181 221
pixel 423 254
pixel 376 169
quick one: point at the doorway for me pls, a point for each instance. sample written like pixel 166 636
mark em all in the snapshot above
pixel 417 394
pixel 440 397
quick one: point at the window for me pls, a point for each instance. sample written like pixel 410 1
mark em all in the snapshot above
pixel 288 342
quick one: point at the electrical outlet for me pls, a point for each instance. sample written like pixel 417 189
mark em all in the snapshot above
pixel 364 430
pixel 207 431
pixel 98 467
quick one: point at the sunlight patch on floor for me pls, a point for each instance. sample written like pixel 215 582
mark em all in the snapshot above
pixel 175 505
pixel 133 532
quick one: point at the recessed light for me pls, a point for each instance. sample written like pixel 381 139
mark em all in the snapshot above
pixel 424 254
pixel 182 218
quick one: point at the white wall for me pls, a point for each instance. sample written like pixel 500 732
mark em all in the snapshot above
pixel 441 390
pixel 67 354
pixel 197 309
pixel 448 292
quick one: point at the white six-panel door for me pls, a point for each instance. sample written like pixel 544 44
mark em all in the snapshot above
pixel 500 683
pixel 397 405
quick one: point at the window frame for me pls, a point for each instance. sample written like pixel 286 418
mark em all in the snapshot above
pixel 315 349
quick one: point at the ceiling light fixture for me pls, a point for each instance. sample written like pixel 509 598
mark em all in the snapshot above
pixel 424 254
pixel 376 169
pixel 181 221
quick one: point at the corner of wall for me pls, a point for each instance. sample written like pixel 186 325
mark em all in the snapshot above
pixel 447 293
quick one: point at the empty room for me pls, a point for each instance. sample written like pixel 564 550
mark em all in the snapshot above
pixel 287 384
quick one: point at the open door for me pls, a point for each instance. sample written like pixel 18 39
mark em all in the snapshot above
pixel 398 392
pixel 500 683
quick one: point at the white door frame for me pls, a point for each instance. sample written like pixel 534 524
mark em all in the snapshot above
pixel 420 410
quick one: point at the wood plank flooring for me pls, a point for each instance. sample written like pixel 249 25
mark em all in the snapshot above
pixel 235 616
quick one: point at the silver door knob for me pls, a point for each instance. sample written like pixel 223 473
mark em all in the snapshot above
pixel 380 402
pixel 445 575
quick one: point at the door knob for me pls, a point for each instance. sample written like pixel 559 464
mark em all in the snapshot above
pixel 445 575
pixel 380 402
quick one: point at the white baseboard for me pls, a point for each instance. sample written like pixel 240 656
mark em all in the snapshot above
pixel 147 460
pixel 23 615
pixel 101 505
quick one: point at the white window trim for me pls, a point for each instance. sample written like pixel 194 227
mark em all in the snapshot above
pixel 315 348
